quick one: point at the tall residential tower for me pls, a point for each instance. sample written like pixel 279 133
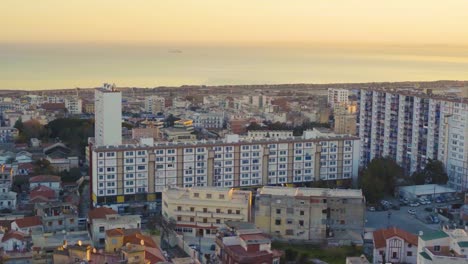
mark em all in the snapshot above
pixel 108 115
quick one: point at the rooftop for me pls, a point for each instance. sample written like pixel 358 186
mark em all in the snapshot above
pixel 433 235
pixel 28 221
pixel 45 178
pixel 381 236
pixel 100 212
pixel 320 192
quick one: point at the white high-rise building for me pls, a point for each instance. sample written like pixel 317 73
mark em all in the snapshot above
pixel 108 115
pixel 413 127
pixel 453 146
pixel 337 96
pixel 155 104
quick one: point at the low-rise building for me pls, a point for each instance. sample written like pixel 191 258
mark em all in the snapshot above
pixel 245 246
pixel 443 247
pixel 73 105
pixel 8 200
pixel 394 245
pixel 199 211
pixel 103 218
pixel 57 216
pixel 8 134
pixel 27 225
pixel 314 214
pixel 50 181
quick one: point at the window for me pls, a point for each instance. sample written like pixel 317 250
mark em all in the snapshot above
pixel 179 218
pixel 196 195
pixel 301 212
pixel 218 221
pixel 436 248
pixel 221 196
pixel 394 255
pixel 278 222
pixel 237 211
pixel 278 211
pixel 289 221
pixel 409 254
pixel 301 222
pixel 101 229
pixel 192 219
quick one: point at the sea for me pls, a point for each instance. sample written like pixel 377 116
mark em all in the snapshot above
pixel 58 66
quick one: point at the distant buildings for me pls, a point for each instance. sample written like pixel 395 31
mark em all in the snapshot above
pixel 345 119
pixel 50 181
pixel 155 104
pixel 8 134
pixel 73 105
pixel 337 97
pixel 57 216
pixel 200 211
pixel 313 214
pixel 108 116
pixel 393 245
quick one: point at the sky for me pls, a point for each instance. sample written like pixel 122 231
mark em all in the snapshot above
pixel 140 22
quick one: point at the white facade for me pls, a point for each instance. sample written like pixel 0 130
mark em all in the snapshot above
pixel 337 96
pixel 99 226
pixel 453 145
pixel 208 120
pixel 108 116
pixel 73 105
pixel 233 162
pixel 154 104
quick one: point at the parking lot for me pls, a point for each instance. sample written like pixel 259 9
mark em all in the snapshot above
pixel 412 223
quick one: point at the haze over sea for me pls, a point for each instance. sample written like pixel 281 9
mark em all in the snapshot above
pixel 47 66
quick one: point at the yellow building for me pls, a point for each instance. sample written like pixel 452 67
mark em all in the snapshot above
pixel 199 211
pixel 345 118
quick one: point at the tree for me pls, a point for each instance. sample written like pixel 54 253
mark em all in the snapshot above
pixel 42 166
pixel 379 178
pixel 19 125
pixel 170 120
pixel 434 172
pixel 70 176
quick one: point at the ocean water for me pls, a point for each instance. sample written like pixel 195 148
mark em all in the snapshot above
pixel 69 66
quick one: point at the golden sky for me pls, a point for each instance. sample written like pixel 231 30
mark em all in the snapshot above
pixel 234 21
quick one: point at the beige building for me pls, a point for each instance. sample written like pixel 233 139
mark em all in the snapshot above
pixel 200 211
pixel 314 214
pixel 147 132
pixel 345 118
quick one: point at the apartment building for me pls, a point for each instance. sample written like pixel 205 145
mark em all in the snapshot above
pixel 337 96
pixel 73 105
pixel 313 214
pixel 453 147
pixel 200 211
pixel 345 118
pixel 108 115
pixel 412 127
pixel 443 247
pixel 124 174
pixel 155 104
pixel 210 120
pixel 57 216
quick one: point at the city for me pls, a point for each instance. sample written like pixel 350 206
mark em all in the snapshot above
pixel 192 174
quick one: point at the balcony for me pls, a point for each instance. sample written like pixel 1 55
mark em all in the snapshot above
pixel 201 224
pixel 202 214
pixel 186 213
pixel 229 216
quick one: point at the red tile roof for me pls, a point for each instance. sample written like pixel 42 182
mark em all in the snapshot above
pixel 28 221
pixel 253 237
pixel 381 236
pixel 136 239
pixel 13 234
pixel 42 191
pixel 45 178
pixel 154 255
pixel 100 212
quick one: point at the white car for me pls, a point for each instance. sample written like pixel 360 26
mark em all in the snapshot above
pixel 414 204
pixel 411 211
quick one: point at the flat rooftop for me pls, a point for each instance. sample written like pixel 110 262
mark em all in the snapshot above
pixel 321 192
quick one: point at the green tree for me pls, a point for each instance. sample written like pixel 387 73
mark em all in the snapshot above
pixel 70 176
pixel 19 125
pixel 434 172
pixel 42 166
pixel 170 120
pixel 73 132
pixel 380 177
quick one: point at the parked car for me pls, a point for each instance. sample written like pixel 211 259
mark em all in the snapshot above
pixel 438 200
pixel 371 209
pixel 435 219
pixel 411 211
pixel 414 204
